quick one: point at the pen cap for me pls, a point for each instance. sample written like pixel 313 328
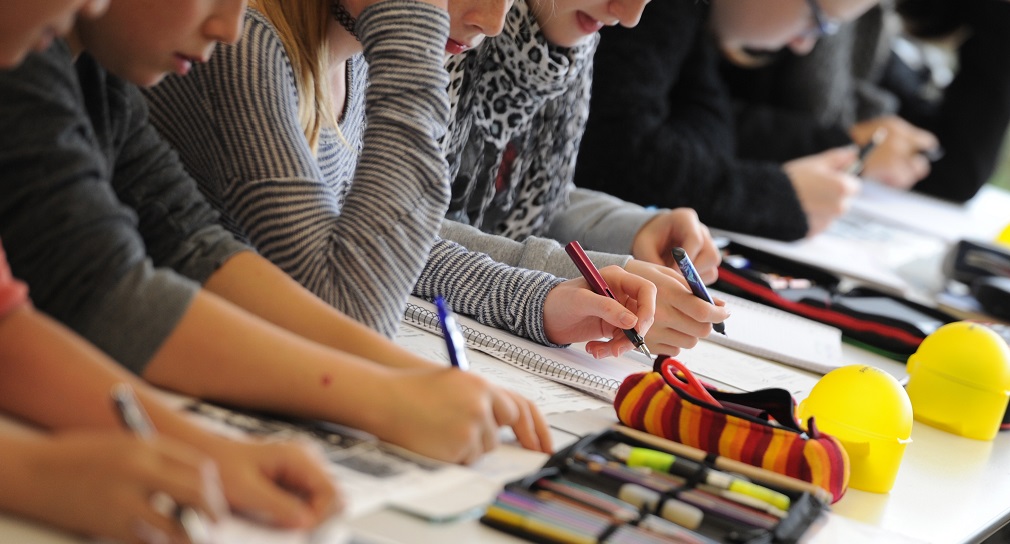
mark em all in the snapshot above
pixel 866 409
pixel 959 380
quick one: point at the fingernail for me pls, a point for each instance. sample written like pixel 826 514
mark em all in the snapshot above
pixel 628 319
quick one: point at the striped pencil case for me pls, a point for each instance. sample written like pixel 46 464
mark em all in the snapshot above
pixel 758 428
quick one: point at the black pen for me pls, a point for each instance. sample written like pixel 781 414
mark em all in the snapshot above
pixel 697 287
pixel 135 419
pixel 453 338
pixel 875 139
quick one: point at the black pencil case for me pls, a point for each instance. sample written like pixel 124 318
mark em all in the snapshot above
pixel 589 479
pixel 889 324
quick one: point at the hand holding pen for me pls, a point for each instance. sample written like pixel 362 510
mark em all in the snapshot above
pixel 600 287
pixel 135 419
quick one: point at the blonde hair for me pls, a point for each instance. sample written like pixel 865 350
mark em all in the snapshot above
pixel 302 27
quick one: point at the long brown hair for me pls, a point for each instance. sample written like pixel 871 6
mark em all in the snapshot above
pixel 302 26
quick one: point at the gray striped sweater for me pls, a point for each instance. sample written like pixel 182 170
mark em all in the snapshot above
pixel 356 223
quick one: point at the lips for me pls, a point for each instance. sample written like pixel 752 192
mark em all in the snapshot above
pixel 184 63
pixel 588 24
pixel 454 48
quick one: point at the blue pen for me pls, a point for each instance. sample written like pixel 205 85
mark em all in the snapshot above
pixel 697 287
pixel 453 338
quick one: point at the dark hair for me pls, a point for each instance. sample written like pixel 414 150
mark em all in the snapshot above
pixel 930 18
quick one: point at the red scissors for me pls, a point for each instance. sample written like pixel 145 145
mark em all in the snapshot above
pixel 693 388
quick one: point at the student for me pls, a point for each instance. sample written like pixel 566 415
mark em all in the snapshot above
pixel 661 118
pixel 522 104
pixel 98 483
pixel 100 218
pixel 854 82
pixel 338 177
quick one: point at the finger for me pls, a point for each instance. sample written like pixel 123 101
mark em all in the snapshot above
pixel 524 427
pixel 841 158
pixel 191 480
pixel 304 474
pixel 151 525
pixel 641 301
pixel 263 499
pixel 920 167
pixel 615 347
pixel 541 427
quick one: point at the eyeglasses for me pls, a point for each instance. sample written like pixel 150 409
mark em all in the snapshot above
pixel 823 26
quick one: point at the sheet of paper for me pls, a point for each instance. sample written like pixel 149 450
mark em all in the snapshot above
pixel 744 372
pixel 771 333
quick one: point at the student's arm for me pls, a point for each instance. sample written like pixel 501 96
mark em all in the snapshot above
pixel 39 355
pixel 973 116
pixel 358 243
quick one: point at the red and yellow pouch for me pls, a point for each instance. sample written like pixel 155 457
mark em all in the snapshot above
pixel 758 428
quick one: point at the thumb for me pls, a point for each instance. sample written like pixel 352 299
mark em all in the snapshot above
pixel 612 313
pixel 841 158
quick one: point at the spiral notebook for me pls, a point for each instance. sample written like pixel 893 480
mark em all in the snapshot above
pixel 570 366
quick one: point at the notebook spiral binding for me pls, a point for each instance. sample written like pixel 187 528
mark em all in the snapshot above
pixel 519 356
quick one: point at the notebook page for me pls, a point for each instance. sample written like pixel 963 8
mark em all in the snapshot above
pixel 571 366
pixel 780 336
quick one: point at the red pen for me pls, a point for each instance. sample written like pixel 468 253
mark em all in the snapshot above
pixel 600 287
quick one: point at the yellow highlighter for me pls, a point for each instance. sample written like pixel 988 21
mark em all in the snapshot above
pixel 667 462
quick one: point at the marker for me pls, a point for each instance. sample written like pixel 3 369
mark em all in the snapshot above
pixel 453 338
pixel 135 419
pixel 693 280
pixel 678 512
pixel 600 287
pixel 667 462
pixel 856 169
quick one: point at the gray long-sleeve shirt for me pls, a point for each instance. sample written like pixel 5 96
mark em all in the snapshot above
pixel 96 212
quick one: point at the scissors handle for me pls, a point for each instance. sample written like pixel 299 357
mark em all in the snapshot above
pixel 694 388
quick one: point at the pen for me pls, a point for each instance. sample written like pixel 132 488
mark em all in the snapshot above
pixel 878 136
pixel 667 462
pixel 453 338
pixel 600 287
pixel 697 287
pixel 135 419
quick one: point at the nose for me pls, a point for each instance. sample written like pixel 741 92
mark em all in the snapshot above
pixel 628 12
pixel 488 17
pixel 225 23
pixel 93 8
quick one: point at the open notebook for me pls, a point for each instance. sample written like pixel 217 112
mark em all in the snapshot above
pixel 572 367
pixel 771 333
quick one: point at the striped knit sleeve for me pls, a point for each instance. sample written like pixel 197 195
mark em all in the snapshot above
pixel 494 293
pixel 362 257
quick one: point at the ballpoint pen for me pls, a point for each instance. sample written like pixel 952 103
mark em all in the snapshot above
pixel 697 287
pixel 876 138
pixel 453 338
pixel 600 287
pixel 135 419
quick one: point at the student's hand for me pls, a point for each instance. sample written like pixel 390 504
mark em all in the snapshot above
pixel 454 416
pixel 681 317
pixel 823 185
pixel 898 160
pixel 100 484
pixel 284 484
pixel 679 227
pixel 574 313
